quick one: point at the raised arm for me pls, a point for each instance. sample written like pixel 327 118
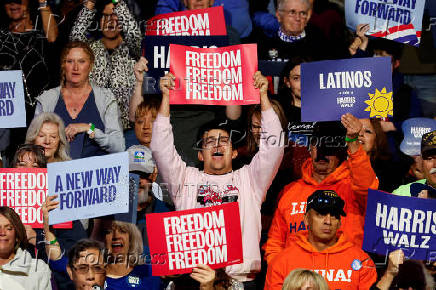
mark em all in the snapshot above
pixel 266 162
pixel 131 31
pixel 396 258
pixel 136 99
pixel 52 246
pixel 166 83
pixel 48 21
pixel 353 126
pixel 170 164
pixel 361 29
pixel 362 174
pixel 83 21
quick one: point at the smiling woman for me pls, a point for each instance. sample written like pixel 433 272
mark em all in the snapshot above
pixel 17 268
pixel 123 244
pixel 47 130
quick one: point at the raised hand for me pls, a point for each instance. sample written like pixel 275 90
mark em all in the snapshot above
pixel 205 275
pixel 352 124
pixel 167 83
pixel 140 68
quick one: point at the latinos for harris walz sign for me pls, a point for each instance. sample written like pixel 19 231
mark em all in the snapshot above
pixel 360 86
pixel 214 76
pixel 400 222
pixel 186 238
pixel 398 20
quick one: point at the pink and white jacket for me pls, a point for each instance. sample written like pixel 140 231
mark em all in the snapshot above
pixel 249 183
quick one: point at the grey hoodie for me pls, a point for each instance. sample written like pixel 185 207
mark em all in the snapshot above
pixel 24 272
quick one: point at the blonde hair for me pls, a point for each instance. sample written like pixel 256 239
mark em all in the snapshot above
pixel 74 44
pixel 35 126
pixel 135 240
pixel 149 104
pixel 296 279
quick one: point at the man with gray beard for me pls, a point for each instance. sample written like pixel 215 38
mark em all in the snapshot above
pixel 150 195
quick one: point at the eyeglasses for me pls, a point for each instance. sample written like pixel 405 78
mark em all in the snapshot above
pixel 84 268
pixel 211 142
pixel 293 13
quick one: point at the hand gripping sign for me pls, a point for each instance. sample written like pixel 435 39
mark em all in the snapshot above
pixel 400 21
pixel 24 190
pixel 186 238
pixel 214 76
pixel 196 22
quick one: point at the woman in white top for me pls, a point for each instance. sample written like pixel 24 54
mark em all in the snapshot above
pixel 17 268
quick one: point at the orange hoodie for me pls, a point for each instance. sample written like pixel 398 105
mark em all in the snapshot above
pixel 334 264
pixel 350 180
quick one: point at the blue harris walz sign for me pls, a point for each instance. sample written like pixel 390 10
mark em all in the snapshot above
pixel 360 86
pixel 399 222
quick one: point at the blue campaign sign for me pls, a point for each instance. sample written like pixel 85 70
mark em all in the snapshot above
pixel 398 20
pixel 399 222
pixel 157 51
pixel 89 187
pixel 360 86
pixel 12 107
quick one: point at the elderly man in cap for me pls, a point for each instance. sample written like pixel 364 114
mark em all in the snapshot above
pixel 426 187
pixel 347 170
pixel 323 249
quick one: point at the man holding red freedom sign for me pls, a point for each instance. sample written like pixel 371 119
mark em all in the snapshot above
pixel 218 183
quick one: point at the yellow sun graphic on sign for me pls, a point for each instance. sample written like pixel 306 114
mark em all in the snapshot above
pixel 380 104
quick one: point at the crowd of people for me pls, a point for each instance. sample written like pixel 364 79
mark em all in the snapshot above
pixel 302 202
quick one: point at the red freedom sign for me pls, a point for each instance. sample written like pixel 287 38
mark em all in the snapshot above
pixel 196 22
pixel 214 76
pixel 186 238
pixel 24 190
